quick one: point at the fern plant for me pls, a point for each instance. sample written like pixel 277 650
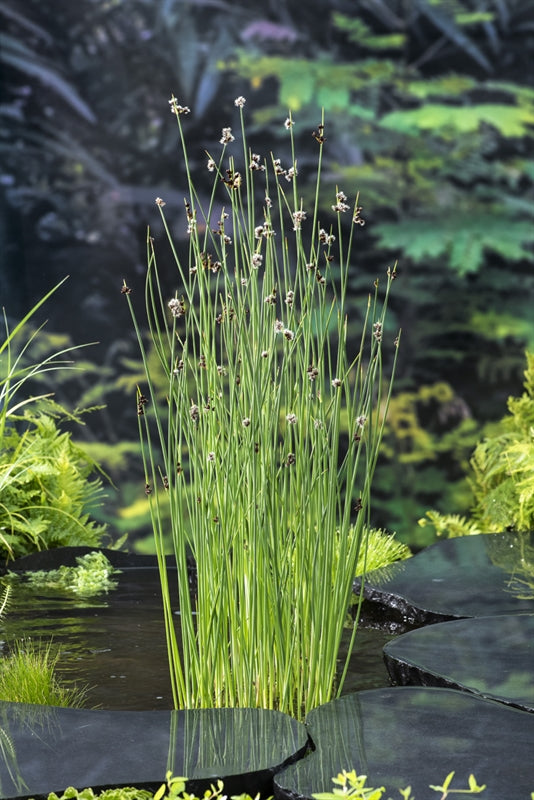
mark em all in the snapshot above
pixel 46 492
pixel 45 489
pixel 502 474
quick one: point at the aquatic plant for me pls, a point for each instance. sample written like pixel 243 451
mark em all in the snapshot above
pixel 92 575
pixel 264 450
pixel 115 793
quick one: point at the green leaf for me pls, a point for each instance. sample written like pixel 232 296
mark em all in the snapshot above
pixel 296 87
pixel 362 112
pixel 445 85
pixel 461 240
pixel 495 325
pixel 360 33
pixel 335 99
pixel 474 787
pixel 466 250
pixel 474 17
pixel 449 28
pixel 446 784
pixel 17 55
pixel 160 792
pixel 418 240
pixel 509 120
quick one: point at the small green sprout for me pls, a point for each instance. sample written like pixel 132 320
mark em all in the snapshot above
pixel 474 788
pixel 353 786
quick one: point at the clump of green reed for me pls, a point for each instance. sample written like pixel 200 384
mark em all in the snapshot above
pixel 265 449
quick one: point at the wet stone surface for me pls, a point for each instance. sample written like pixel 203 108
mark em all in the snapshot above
pixel 413 736
pixel 52 748
pixel 490 656
pixel 472 576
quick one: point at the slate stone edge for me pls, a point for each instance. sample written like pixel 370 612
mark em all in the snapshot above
pixel 404 673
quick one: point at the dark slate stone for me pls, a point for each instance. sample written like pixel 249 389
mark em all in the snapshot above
pixel 471 576
pixel 412 736
pixel 52 748
pixel 489 656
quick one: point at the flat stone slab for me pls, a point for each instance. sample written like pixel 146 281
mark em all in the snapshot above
pixel 490 656
pixel 472 576
pixel 52 748
pixel 413 736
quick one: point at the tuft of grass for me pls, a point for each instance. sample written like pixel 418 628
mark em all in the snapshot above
pixel 28 675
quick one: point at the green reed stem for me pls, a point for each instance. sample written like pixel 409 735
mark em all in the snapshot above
pixel 261 440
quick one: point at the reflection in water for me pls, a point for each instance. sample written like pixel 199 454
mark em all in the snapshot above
pixel 235 740
pixel 116 646
pixel 515 555
pixel 8 766
pixel 409 735
pixel 21 724
pixel 384 575
pixel 491 656
pixel 74 747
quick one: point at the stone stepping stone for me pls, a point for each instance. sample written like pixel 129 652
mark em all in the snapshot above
pixel 414 736
pixel 471 576
pixel 52 748
pixel 490 656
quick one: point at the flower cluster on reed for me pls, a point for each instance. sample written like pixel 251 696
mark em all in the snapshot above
pixel 264 451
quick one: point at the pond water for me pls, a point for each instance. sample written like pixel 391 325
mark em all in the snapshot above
pixel 115 643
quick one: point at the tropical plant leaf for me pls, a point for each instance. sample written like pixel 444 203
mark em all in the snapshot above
pixel 359 33
pixel 26 23
pixel 474 17
pixel 451 30
pixel 509 120
pixel 17 55
pixel 462 240
pixel 451 85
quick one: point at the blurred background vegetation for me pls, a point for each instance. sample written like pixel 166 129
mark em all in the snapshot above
pixel 429 108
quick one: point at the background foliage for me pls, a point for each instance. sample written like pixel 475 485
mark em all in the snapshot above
pixel 501 474
pixel 430 114
pixel 47 487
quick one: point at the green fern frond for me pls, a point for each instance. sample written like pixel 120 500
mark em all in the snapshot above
pixel 463 240
pixel 47 490
pixel 4 600
pixel 449 525
pixel 502 474
pixel 508 120
pixel 382 549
